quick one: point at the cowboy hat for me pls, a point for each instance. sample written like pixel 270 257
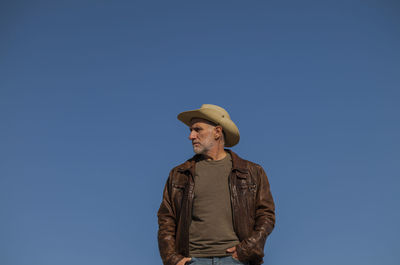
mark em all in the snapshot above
pixel 217 115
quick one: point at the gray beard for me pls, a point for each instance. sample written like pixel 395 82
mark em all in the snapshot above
pixel 198 150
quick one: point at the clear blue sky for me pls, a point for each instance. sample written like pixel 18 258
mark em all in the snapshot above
pixel 90 90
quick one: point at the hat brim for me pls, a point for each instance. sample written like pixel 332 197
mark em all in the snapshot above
pixel 231 131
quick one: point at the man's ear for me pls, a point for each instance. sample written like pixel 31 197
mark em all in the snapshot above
pixel 218 135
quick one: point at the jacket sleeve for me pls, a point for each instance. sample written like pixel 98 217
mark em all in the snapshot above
pixel 167 221
pixel 252 248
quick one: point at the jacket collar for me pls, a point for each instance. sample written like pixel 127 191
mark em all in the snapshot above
pixel 238 163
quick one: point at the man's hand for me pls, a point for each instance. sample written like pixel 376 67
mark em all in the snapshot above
pixel 183 261
pixel 232 250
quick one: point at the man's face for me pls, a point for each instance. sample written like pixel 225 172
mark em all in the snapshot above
pixel 202 135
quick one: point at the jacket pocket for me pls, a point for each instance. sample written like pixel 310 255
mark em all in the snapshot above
pixel 247 193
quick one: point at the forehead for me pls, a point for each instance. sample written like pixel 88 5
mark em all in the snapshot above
pixel 201 122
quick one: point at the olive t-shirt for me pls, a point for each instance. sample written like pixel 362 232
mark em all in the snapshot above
pixel 211 230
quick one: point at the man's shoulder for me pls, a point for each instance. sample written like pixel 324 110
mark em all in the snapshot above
pixel 238 162
pixel 180 167
pixel 244 163
pixel 252 164
pixel 185 165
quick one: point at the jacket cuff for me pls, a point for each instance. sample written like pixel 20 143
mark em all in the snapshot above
pixel 246 253
pixel 241 253
pixel 174 259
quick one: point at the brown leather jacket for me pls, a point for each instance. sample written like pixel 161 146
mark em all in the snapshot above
pixel 253 210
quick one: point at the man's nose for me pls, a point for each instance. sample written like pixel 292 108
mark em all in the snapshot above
pixel 192 135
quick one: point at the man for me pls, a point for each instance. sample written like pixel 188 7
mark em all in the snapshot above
pixel 217 208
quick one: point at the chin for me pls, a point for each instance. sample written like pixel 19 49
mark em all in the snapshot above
pixel 198 150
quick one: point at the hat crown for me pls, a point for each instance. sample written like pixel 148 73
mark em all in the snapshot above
pixel 222 111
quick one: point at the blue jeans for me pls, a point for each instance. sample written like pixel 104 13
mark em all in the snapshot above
pixel 227 260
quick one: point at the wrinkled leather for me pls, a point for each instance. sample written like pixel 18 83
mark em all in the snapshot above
pixel 253 210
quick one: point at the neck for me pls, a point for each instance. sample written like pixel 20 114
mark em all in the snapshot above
pixel 217 153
